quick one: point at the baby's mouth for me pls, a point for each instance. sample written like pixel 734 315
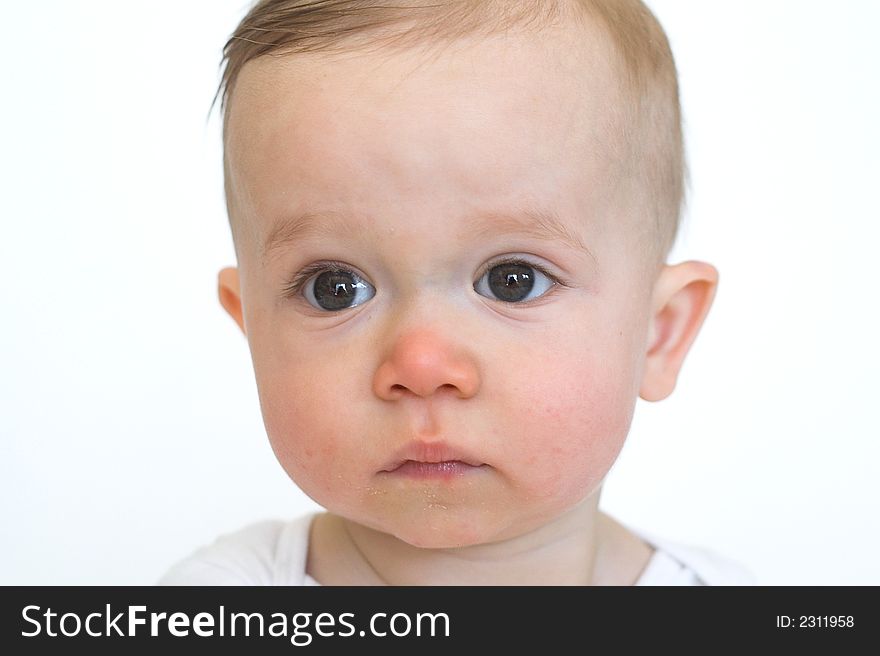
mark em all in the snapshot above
pixel 421 459
pixel 443 470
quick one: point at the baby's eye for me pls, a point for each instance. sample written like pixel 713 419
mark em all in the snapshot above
pixel 333 288
pixel 513 280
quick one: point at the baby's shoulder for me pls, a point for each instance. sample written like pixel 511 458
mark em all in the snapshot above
pixel 676 563
pixel 271 552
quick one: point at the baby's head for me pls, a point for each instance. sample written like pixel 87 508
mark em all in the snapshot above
pixel 451 220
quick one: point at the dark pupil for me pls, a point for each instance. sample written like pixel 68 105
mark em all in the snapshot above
pixel 511 282
pixel 335 290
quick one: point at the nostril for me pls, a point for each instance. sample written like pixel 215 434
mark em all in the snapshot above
pixel 400 389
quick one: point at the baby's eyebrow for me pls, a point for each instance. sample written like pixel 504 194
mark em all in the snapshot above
pixel 529 222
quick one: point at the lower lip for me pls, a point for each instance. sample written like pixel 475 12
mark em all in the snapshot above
pixel 434 470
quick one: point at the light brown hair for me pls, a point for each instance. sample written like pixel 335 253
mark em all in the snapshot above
pixel 652 124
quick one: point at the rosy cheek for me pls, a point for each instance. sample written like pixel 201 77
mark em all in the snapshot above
pixel 300 443
pixel 288 426
pixel 572 431
pixel 306 440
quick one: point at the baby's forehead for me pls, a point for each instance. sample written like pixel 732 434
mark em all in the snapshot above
pixel 593 77
pixel 543 67
pixel 498 92
pixel 428 133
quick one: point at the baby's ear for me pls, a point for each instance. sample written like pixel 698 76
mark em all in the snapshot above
pixel 229 289
pixel 681 300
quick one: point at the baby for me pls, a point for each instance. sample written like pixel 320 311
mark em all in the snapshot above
pixel 451 220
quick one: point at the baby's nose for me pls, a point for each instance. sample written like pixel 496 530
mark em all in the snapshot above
pixel 423 362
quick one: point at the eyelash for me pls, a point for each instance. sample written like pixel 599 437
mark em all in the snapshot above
pixel 519 260
pixel 297 283
pixel 299 280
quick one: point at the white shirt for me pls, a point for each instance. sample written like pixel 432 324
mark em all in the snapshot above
pixel 274 553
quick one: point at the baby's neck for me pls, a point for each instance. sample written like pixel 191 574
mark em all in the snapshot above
pixel 582 547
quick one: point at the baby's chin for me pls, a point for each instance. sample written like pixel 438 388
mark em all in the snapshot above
pixel 440 538
pixel 437 528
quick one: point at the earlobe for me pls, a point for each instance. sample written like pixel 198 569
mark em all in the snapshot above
pixel 229 289
pixel 682 297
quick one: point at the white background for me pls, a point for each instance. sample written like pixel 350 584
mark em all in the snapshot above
pixel 129 419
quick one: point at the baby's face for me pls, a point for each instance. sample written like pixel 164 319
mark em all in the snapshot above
pixel 461 376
